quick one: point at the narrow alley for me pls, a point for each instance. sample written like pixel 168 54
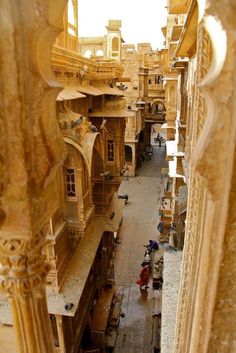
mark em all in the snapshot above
pixel 140 218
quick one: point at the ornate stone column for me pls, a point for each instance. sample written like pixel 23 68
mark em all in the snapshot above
pixel 79 176
pixel 60 333
pixel 31 151
pixel 22 276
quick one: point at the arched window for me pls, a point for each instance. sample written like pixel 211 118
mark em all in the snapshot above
pixel 128 153
pixel 87 53
pixel 99 52
pixel 70 178
pixel 115 44
pixel 70 182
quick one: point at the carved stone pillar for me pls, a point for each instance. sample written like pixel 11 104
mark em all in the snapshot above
pixel 22 276
pixel 118 155
pixel 79 177
pixel 31 151
pixel 60 334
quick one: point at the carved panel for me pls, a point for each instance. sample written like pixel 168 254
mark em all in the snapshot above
pixel 204 58
pixel 31 145
pixel 194 215
pixel 31 150
pixel 23 265
pixel 220 290
pixel 213 302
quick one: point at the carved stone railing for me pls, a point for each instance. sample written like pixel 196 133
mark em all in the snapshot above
pixel 70 61
pixel 73 64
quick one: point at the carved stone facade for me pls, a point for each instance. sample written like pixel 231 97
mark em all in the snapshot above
pixel 206 307
pixel 58 186
pixel 31 153
pixel 108 46
pixel 142 83
pixel 51 158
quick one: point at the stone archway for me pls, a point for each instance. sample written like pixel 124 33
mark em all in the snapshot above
pixel 128 154
pixel 158 107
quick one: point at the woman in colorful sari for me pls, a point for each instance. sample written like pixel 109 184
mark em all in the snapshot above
pixel 144 277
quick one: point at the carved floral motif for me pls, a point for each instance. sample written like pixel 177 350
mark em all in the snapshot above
pixel 204 57
pixel 22 265
pixel 194 214
pixel 205 299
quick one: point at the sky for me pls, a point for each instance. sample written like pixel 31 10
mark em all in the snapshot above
pixel 141 19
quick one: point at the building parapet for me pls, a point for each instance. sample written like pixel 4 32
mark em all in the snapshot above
pixel 72 63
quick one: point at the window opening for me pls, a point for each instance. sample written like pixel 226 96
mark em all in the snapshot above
pixel 70 182
pixel 110 150
pixel 128 153
pixel 115 44
pixel 99 52
pixel 88 54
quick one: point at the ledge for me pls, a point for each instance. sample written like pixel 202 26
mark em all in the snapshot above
pixel 170 291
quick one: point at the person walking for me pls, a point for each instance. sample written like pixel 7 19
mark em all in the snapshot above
pixel 144 277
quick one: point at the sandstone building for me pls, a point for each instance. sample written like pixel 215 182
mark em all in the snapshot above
pixel 62 158
pixel 79 210
pixel 198 64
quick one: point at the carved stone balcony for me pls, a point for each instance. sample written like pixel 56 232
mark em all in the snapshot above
pixel 71 64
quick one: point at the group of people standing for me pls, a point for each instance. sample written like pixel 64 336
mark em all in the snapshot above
pixel 146 264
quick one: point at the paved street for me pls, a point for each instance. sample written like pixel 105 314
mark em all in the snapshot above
pixel 140 219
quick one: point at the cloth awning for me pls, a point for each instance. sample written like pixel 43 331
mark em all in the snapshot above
pixel 116 113
pixel 77 273
pixel 68 94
